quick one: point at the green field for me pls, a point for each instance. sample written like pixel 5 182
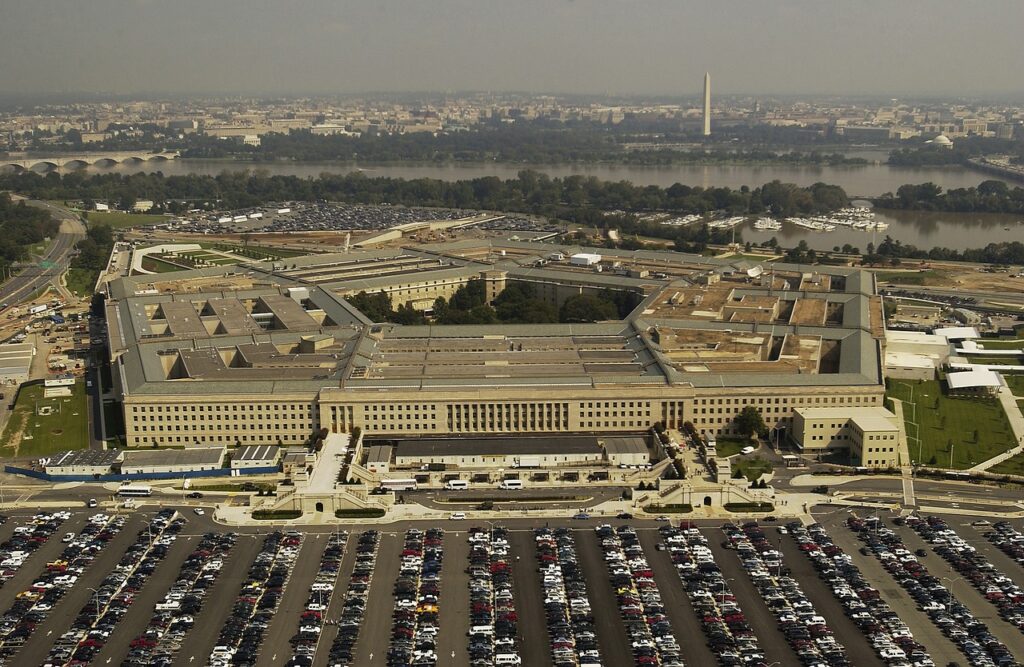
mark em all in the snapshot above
pixel 991 344
pixel 158 265
pixel 124 220
pixel 81 281
pixel 929 277
pixel 726 447
pixel 67 429
pixel 1000 360
pixel 753 468
pixel 254 251
pixel 1011 466
pixel 1015 383
pixel 948 423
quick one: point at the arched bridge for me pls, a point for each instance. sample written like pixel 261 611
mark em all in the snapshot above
pixel 77 160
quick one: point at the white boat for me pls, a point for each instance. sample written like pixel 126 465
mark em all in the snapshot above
pixel 767 225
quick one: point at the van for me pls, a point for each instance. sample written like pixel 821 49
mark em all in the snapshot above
pixel 511 484
pixel 456 485
pixel 507 659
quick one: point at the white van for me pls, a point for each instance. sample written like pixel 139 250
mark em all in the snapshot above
pixel 456 485
pixel 481 630
pixel 511 484
pixel 507 659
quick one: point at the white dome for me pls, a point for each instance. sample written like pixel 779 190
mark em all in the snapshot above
pixel 942 140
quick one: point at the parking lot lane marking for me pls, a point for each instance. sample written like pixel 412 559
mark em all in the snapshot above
pixel 37 647
pixel 453 619
pixel 611 633
pixel 144 603
pixel 941 649
pixel 687 630
pixel 981 608
pixel 285 621
pixel 762 620
pixel 528 594
pixel 204 634
pixel 337 605
pixel 858 649
pixel 376 632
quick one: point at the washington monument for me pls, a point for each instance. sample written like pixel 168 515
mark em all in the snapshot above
pixel 707 104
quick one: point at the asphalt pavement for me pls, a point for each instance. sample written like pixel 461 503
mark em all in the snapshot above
pixel 611 632
pixel 275 649
pixel 29 280
pixel 453 605
pixel 528 593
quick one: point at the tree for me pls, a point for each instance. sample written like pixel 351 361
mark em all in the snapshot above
pixel 585 308
pixel 750 422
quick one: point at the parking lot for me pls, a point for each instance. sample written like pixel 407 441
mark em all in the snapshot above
pixel 147 588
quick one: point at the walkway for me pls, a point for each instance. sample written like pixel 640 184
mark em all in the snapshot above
pixel 906 465
pixel 1016 419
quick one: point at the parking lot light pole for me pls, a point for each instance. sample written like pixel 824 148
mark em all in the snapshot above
pixel 96 603
pixel 952 580
pixel 725 587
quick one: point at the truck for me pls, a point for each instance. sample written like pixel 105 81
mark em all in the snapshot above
pixel 527 462
pixel 35 310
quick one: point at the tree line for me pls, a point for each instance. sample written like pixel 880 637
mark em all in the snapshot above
pixel 518 303
pixel 990 196
pixel 20 227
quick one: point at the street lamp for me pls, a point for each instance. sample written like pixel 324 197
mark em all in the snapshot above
pixel 725 587
pixel 951 580
pixel 96 603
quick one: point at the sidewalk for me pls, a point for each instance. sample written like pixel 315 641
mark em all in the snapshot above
pixel 1016 419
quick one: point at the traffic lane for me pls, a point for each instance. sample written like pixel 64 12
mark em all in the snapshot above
pixel 337 605
pixel 453 618
pixel 611 632
pixel 275 649
pixel 376 631
pixel 962 590
pixel 772 642
pixel 940 648
pixel 976 536
pixel 825 603
pixel 529 600
pixel 36 562
pixel 218 604
pixel 685 626
pixel 141 609
pixel 60 618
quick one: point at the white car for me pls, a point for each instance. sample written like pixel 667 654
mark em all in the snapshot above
pixel 457 516
pixel 747 450
pixel 199 511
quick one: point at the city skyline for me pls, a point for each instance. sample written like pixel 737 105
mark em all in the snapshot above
pixel 782 48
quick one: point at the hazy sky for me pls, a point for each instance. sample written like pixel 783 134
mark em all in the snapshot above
pixel 891 47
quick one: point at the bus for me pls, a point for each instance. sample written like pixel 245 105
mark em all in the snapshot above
pixel 134 490
pixel 399 485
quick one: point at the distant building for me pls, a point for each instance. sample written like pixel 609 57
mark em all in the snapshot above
pixel 707 104
pixel 142 205
pixel 15 362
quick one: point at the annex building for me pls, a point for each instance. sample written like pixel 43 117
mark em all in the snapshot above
pixel 269 353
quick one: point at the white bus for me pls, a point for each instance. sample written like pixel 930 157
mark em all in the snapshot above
pixel 134 490
pixel 456 485
pixel 511 484
pixel 399 485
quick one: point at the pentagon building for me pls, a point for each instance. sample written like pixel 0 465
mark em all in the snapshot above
pixel 271 352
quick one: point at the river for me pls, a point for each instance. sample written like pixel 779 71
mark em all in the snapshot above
pixel 921 229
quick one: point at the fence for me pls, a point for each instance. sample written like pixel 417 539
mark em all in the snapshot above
pixel 219 472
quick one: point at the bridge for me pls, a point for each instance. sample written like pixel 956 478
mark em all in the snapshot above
pixel 79 160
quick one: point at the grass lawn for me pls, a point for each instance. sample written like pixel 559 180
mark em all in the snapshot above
pixel 157 265
pixel 1001 360
pixel 951 425
pixel 753 468
pixel 727 447
pixel 67 429
pixel 81 281
pixel 992 344
pixel 929 277
pixel 1015 383
pixel 124 220
pixel 1011 466
pixel 254 251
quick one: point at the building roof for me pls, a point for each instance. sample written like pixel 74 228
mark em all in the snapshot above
pixel 16 358
pixel 173 457
pixel 867 418
pixel 85 457
pixel 909 360
pixel 634 445
pixel 974 378
pixel 566 444
pixel 379 453
pixel 256 453
pixel 957 333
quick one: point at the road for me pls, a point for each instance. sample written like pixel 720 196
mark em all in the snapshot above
pixel 29 281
